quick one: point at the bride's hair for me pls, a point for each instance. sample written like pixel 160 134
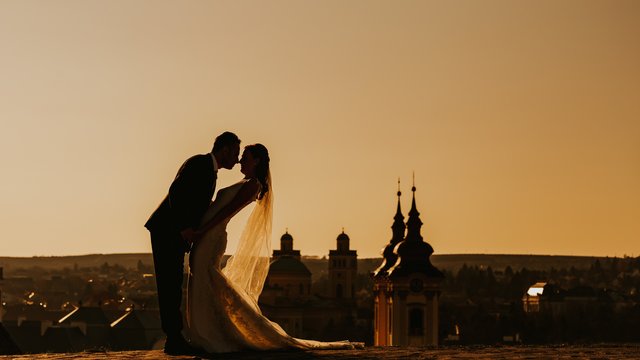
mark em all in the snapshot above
pixel 247 269
pixel 259 151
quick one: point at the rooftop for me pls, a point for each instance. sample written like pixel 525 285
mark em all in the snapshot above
pixel 601 351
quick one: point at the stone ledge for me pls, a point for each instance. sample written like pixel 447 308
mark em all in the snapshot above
pixel 602 351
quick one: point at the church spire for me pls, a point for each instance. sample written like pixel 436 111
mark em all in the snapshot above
pixel 398 228
pixel 413 253
pixel 414 223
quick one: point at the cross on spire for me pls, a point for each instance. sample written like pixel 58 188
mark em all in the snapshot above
pixel 413 188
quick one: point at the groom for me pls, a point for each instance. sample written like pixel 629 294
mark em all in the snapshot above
pixel 172 224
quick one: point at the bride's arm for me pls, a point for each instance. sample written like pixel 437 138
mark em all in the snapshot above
pixel 248 192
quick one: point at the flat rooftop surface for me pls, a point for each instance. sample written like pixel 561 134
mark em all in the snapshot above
pixel 603 351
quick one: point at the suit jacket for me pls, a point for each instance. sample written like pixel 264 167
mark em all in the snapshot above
pixel 188 198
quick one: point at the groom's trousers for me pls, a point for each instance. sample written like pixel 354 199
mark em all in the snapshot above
pixel 168 257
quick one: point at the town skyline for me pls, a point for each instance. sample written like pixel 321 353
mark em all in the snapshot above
pixel 520 120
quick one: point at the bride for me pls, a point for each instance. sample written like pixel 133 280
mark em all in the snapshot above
pixel 222 304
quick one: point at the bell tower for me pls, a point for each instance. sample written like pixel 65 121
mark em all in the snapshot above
pixel 343 267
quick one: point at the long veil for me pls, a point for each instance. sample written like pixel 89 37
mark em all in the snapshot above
pixel 247 269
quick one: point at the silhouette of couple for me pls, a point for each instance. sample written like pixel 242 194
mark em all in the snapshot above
pixel 222 313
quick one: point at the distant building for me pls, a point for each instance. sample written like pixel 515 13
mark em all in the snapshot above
pixel 137 330
pixel 63 339
pixel 406 287
pixel 287 273
pixel 7 345
pixel 92 323
pixel 343 268
pixel 531 299
pixel 574 303
pixel 27 323
pixel 287 300
pixel 287 288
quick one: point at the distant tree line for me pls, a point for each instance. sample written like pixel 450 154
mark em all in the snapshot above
pixel 484 306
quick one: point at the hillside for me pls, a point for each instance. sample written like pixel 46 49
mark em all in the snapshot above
pixel 317 266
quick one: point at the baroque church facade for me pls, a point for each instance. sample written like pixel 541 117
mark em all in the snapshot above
pixel 406 286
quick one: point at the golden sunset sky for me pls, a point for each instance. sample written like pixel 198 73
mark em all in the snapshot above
pixel 521 119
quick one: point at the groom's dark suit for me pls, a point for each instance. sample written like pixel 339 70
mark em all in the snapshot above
pixel 188 198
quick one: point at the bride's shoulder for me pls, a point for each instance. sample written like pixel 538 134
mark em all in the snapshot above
pixel 251 186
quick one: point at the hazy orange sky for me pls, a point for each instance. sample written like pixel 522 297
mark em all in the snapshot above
pixel 521 119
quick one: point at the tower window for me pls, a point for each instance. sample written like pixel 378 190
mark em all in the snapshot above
pixel 339 291
pixel 416 322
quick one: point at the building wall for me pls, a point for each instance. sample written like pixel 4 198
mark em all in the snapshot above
pixel 411 314
pixel 293 285
pixel 382 313
pixel 342 275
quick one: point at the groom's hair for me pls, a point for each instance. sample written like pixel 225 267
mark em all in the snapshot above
pixel 225 139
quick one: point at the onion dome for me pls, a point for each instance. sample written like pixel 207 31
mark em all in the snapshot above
pixel 413 253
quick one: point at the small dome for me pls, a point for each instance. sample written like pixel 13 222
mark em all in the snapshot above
pixel 286 236
pixel 343 237
pixel 288 265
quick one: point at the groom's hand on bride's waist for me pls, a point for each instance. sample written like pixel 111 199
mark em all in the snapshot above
pixel 190 236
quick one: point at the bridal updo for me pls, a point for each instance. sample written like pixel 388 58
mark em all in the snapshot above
pixel 259 151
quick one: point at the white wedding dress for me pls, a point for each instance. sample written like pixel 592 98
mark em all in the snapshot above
pixel 221 315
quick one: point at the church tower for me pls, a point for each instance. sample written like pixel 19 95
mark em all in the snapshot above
pixel 343 267
pixel 412 290
pixel 382 286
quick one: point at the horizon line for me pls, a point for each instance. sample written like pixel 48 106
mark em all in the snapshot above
pixel 326 255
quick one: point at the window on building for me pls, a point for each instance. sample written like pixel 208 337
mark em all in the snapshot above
pixel 301 289
pixel 339 291
pixel 416 322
